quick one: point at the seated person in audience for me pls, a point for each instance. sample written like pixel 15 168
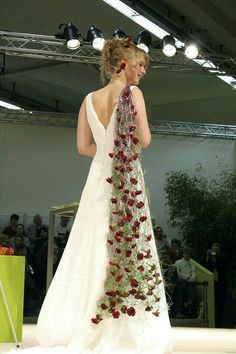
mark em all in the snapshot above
pixel 176 250
pixel 169 272
pixel 185 289
pixel 16 241
pixel 41 239
pixel 10 230
pixel 34 229
pixel 161 241
pixel 20 231
pixel 30 294
pixel 63 231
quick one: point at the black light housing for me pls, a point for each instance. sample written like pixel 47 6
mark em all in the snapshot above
pixel 168 46
pixel 96 38
pixel 119 34
pixel 71 34
pixel 143 41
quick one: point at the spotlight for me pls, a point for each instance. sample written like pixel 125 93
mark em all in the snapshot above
pixel 119 34
pixel 143 41
pixel 191 50
pixel 169 48
pixel 95 36
pixel 71 34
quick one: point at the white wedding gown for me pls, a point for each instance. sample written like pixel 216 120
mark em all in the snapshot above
pixel 64 324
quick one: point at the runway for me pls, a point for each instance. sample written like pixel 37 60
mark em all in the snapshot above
pixel 186 340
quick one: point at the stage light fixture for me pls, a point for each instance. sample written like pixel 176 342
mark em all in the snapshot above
pixel 191 50
pixel 71 34
pixel 119 34
pixel 95 36
pixel 168 46
pixel 143 41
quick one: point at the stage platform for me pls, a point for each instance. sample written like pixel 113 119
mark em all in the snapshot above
pixel 186 340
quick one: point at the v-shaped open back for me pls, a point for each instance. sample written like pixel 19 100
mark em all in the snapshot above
pixel 96 115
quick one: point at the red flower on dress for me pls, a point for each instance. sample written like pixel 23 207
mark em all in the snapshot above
pixel 111 155
pixel 118 278
pixel 140 256
pixel 127 270
pixel 131 311
pixel 116 314
pixel 138 192
pixel 141 268
pixel 132 128
pixel 143 218
pixel 111 293
pixel 117 250
pixel 130 202
pixel 128 239
pixel 114 200
pixel 126 191
pixel 110 242
pixel 134 283
pixel 133 180
pixel 103 306
pixel 135 140
pixel 129 169
pixel 112 228
pixel 140 205
pixel 109 180
pixel 128 253
pixel 136 224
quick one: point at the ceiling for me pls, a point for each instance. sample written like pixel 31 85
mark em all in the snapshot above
pixel 53 85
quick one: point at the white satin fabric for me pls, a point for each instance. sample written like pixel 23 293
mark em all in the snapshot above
pixel 64 324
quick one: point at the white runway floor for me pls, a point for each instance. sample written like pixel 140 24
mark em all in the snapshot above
pixel 186 340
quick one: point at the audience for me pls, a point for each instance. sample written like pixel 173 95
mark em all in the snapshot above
pixel 161 241
pixel 185 290
pixel 176 250
pixel 177 269
pixel 62 231
pixel 20 231
pixel 34 229
pixel 10 230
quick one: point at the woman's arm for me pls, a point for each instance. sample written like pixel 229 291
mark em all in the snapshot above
pixel 141 118
pixel 85 145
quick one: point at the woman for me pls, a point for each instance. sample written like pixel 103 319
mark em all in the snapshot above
pixel 107 295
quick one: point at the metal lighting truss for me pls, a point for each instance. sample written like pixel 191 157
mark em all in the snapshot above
pixel 51 48
pixel 157 127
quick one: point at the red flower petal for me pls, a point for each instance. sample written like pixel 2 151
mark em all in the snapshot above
pixel 140 256
pixel 116 314
pixel 131 311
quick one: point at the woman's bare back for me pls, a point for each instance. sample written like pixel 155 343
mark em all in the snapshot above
pixel 104 102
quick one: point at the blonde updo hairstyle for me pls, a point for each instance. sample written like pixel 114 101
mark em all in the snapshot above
pixel 116 50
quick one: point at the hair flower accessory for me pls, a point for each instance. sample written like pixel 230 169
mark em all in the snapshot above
pixel 122 67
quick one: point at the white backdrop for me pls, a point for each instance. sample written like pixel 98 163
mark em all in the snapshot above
pixel 40 167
